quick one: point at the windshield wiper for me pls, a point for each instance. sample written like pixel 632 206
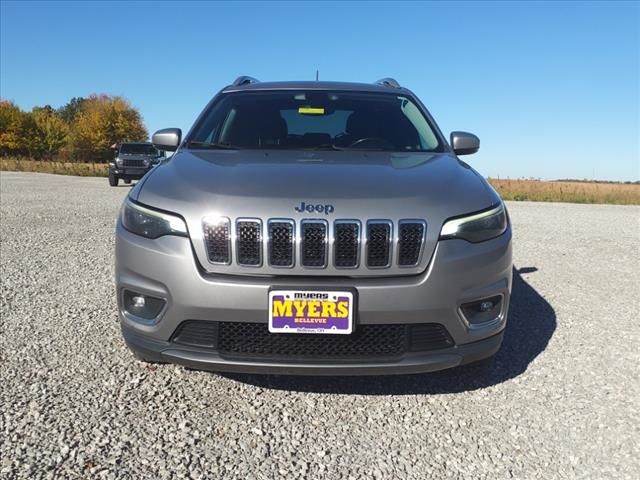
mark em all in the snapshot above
pixel 211 146
pixel 331 146
pixel 326 146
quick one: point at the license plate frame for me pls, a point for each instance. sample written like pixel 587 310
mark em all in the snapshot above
pixel 285 320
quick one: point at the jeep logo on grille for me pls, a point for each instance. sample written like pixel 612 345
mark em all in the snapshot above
pixel 319 208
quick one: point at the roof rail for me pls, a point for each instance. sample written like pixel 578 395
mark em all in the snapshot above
pixel 388 82
pixel 244 80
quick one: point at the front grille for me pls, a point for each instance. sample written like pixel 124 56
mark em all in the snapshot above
pixel 235 339
pixel 347 244
pixel 217 237
pixel 281 240
pixel 378 244
pixel 133 163
pixel 410 238
pixel 249 242
pixel 314 243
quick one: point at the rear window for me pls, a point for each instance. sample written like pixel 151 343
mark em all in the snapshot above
pixel 315 120
pixel 138 149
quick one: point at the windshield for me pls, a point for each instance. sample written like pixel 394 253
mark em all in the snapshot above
pixel 138 149
pixel 315 120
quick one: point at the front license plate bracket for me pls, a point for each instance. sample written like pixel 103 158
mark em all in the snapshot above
pixel 311 311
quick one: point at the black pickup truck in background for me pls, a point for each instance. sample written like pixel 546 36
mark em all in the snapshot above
pixel 132 161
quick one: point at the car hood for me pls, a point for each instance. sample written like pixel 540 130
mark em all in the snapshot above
pixel 230 179
pixel 357 185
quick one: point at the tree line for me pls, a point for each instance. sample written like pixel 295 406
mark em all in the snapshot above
pixel 82 130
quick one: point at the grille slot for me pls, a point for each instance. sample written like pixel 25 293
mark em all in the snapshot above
pixel 346 244
pixel 239 339
pixel 378 244
pixel 196 333
pixel 429 336
pixel 281 240
pixel 410 239
pixel 249 243
pixel 217 236
pixel 313 245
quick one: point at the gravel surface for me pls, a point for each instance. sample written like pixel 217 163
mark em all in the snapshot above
pixel 557 401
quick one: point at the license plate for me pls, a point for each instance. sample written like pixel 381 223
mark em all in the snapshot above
pixel 310 311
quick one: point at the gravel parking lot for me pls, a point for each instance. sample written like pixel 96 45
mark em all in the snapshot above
pixel 560 400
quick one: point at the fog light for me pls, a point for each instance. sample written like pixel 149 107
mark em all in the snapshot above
pixel 484 306
pixel 143 306
pixel 138 301
pixel 482 311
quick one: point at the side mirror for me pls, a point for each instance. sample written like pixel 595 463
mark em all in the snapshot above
pixel 167 139
pixel 464 143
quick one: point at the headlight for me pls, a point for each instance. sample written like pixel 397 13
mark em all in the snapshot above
pixel 118 162
pixel 477 227
pixel 151 223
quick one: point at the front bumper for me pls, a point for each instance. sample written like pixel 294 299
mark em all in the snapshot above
pixel 410 363
pixel 130 173
pixel 459 272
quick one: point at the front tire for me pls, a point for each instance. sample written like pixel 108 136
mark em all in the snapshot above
pixel 113 180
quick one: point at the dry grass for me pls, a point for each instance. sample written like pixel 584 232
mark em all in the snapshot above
pixel 573 192
pixel 61 168
pixel 532 190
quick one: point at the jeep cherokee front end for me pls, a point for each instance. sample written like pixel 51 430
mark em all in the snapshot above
pixel 314 228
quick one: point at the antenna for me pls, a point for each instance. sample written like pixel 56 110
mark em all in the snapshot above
pixel 317 73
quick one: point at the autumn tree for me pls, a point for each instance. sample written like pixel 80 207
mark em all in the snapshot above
pixel 102 121
pixel 83 129
pixel 51 132
pixel 15 126
pixel 69 111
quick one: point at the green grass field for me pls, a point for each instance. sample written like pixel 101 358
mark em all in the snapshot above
pixel 531 190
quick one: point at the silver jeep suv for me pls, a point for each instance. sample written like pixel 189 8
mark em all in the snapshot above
pixel 314 228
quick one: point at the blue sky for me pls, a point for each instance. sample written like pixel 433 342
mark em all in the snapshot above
pixel 552 89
